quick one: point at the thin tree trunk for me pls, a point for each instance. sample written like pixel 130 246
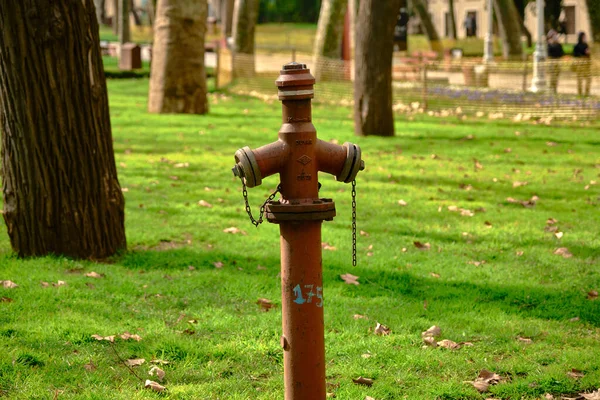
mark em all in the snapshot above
pixel 123 18
pixel 373 67
pixel 151 12
pixel 60 186
pixel 510 28
pixel 137 20
pixel 594 14
pixel 328 40
pixel 420 8
pixel 525 32
pixel 245 16
pixel 227 17
pixel 178 75
pixel 100 14
pixel 453 34
pixel 115 17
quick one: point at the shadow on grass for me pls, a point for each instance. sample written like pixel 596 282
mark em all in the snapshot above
pixel 531 301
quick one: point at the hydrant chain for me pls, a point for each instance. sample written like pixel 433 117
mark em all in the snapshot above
pixel 255 222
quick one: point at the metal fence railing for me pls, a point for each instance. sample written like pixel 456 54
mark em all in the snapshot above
pixel 425 83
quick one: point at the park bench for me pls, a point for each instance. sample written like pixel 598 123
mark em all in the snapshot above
pixel 410 67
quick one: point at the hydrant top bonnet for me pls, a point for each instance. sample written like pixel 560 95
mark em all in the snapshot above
pixel 295 82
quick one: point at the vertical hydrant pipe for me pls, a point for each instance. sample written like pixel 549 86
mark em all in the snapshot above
pixel 298 156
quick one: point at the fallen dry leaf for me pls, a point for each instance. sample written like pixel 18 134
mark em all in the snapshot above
pixel 575 373
pixel 363 381
pixel 481 386
pixel 90 366
pixel 519 253
pixel 430 341
pixel 477 263
pixel 350 279
pixel 110 338
pixel 369 398
pixel 260 268
pixel 234 230
pixel 328 247
pixel 382 330
pixel 135 362
pixel 8 284
pixel 363 233
pixel 558 235
pixel 59 283
pixel 160 361
pixel 563 251
pixel 182 165
pixel 5 300
pixel 422 246
pixel 551 221
pixel 358 316
pixel 433 274
pixel 160 374
pixel 591 396
pixel 517 184
pixel 592 294
pixel 127 336
pixel 524 339
pixel 265 304
pixel 94 275
pixel 402 203
pixel 218 264
pixel 366 355
pixel 485 379
pixel 157 387
pixel 477 165
pixel 434 331
pixel 449 344
pixel 191 268
pixel 44 284
pixel 203 203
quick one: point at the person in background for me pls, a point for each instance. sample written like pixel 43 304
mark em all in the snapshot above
pixel 583 65
pixel 555 52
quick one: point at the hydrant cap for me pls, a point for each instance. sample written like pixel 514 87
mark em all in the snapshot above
pixel 295 82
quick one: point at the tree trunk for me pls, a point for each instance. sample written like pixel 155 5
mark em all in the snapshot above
pixel 178 76
pixel 245 15
pixel 115 17
pixel 123 17
pixel 100 14
pixel 227 17
pixel 328 49
pixel 151 12
pixel 420 8
pixel 137 20
pixel 373 67
pixel 525 32
pixel 510 28
pixel 594 13
pixel 453 34
pixel 60 186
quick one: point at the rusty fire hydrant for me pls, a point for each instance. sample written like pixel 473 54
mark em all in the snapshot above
pixel 298 156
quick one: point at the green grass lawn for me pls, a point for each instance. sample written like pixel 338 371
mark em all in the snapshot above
pixel 205 321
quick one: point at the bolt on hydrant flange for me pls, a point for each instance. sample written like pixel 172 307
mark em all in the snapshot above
pixel 298 156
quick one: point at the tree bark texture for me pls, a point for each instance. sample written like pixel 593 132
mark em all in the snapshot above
pixel 453 33
pixel 60 186
pixel 373 67
pixel 510 28
pixel 328 40
pixel 420 7
pixel 245 16
pixel 178 75
pixel 123 17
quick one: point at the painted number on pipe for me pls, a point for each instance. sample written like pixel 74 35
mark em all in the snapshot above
pixel 306 294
